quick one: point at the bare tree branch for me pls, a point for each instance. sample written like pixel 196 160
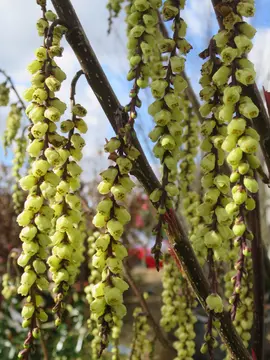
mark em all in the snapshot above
pixel 13 88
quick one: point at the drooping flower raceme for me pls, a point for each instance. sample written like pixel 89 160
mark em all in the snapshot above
pixel 167 114
pixel 142 19
pixel 114 7
pixel 215 183
pixel 215 232
pixel 188 198
pixel 178 301
pixel 18 161
pixel 4 94
pixel 242 141
pixel 93 279
pixel 36 218
pixel 13 124
pixel 112 217
pixel 245 310
pixel 67 241
pixel 141 345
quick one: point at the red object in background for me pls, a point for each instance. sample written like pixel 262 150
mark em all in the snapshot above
pixel 144 255
pixel 139 223
pixel 267 99
pixel 143 200
pixel 254 357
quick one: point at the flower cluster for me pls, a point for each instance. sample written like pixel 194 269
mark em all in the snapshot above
pixel 18 161
pixel 245 313
pixel 93 279
pixel 116 331
pixel 178 301
pixel 142 22
pixel 216 231
pixel 67 241
pixel 242 141
pixel 140 343
pixel 13 124
pixel 9 288
pixel 140 346
pixel 4 94
pixel 112 217
pixel 189 150
pixel 36 218
pixel 190 198
pixel 243 318
pixel 114 7
pixel 167 114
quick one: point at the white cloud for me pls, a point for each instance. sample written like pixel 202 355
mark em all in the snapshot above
pixel 260 56
pixel 198 15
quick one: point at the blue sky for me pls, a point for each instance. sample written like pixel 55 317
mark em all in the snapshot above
pixel 19 40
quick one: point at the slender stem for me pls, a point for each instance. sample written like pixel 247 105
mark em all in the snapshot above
pixel 52 27
pixel 258 282
pixel 73 85
pixel 143 171
pixel 146 309
pixel 13 88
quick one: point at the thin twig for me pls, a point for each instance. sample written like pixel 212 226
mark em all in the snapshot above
pixel 146 309
pixel 13 88
pixel 73 85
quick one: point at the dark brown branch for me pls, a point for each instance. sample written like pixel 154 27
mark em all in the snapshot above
pixel 146 309
pixel 143 171
pixel 262 122
pixel 258 281
pixel 73 85
pixel 13 88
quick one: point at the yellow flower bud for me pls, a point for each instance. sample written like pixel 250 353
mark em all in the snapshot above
pixel 158 88
pixel 208 163
pixel 235 156
pixel 214 302
pixel 222 75
pixel 177 64
pixel 179 83
pixel 162 117
pixel 248 144
pixel 251 184
pixel 124 164
pixel 212 239
pixel 115 228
